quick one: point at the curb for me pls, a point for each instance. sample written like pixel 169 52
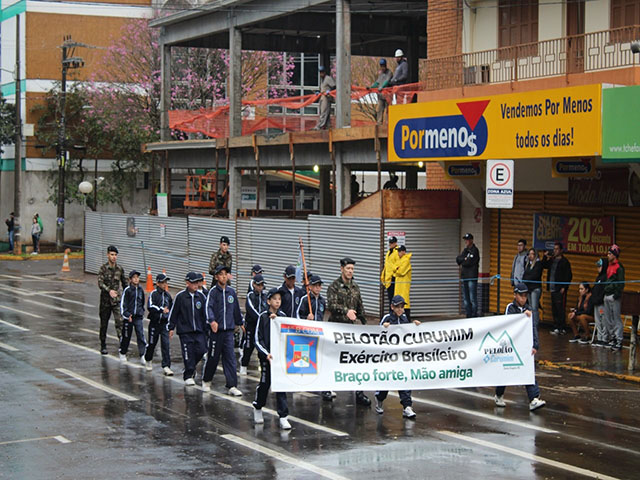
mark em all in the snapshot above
pixel 44 256
pixel 600 373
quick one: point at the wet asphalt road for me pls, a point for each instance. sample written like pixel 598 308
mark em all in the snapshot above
pixel 69 412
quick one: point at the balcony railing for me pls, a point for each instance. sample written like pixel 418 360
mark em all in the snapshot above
pixel 588 52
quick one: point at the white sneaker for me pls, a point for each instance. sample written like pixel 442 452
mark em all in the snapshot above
pixel 378 407
pixel 334 394
pixel 168 372
pixel 206 386
pixel 499 399
pixel 189 382
pixel 284 424
pixel 235 392
pixel 408 412
pixel 149 365
pixel 243 370
pixel 123 358
pixel 258 418
pixel 143 362
pixel 536 403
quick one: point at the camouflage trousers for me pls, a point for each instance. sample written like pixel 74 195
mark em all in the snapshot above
pixel 106 309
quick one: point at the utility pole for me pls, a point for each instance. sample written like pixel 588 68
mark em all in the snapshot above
pixel 17 163
pixel 69 61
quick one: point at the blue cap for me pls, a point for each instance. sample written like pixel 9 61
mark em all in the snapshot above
pixel 315 280
pixel 398 300
pixel 256 269
pixel 193 277
pixel 290 271
pixel 520 288
pixel 273 291
pixel 383 61
pixel 161 277
pixel 321 68
pixel 258 279
pixel 134 272
pixel 219 268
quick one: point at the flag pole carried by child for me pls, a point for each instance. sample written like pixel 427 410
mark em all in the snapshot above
pixel 304 269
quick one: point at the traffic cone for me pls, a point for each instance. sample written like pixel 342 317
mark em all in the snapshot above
pixel 149 287
pixel 204 282
pixel 65 262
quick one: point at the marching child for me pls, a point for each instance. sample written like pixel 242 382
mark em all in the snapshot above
pixel 318 303
pixel 132 311
pixel 255 270
pixel 520 305
pixel 223 316
pixel 158 307
pixel 397 317
pixel 255 305
pixel 263 343
pixel 188 318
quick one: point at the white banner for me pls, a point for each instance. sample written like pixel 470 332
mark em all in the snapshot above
pixel 473 352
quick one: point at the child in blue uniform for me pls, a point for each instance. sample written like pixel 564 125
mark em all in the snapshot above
pixel 159 307
pixel 397 317
pixel 263 343
pixel 256 304
pixel 132 311
pixel 318 303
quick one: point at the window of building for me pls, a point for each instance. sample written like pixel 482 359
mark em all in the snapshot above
pixel 624 13
pixel 304 81
pixel 517 22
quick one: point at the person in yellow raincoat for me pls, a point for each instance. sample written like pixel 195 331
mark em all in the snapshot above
pixel 402 274
pixel 391 259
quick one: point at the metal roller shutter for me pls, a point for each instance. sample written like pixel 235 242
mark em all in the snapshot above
pixel 168 252
pixel 204 240
pixel 114 232
pixel 95 252
pixel 243 256
pixel 434 243
pixel 333 238
pixel 518 223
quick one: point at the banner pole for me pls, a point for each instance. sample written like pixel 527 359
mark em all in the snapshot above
pixel 304 269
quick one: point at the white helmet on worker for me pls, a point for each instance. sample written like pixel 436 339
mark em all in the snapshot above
pixel 399 53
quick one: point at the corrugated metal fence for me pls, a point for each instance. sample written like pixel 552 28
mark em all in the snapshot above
pixel 181 244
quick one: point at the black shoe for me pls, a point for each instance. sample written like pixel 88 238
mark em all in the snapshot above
pixel 362 399
pixel 103 350
pixel 616 347
pixel 327 397
pixel 575 339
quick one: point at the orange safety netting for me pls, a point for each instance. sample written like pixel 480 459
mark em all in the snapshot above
pixel 215 122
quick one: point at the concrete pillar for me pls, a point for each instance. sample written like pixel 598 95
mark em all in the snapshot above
pixel 339 186
pixel 234 81
pixel 263 192
pixel 325 191
pixel 413 52
pixel 411 179
pixel 343 63
pixel 165 92
pixel 235 191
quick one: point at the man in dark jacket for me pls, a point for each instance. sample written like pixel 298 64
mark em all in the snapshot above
pixel 158 307
pixel 613 288
pixel 558 279
pixel 291 294
pixel 469 261
pixel 597 299
pixel 401 75
pixel 256 304
pixel 223 316
pixel 132 311
pixel 11 225
pixel 188 318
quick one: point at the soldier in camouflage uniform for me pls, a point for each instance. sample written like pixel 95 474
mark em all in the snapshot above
pixel 110 278
pixel 221 257
pixel 344 303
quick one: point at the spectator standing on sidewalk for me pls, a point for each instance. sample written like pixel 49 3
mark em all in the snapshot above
pixel 387 276
pixel 11 226
pixel 597 299
pixel 35 235
pixel 519 262
pixel 614 286
pixel 558 279
pixel 469 260
pixel 532 278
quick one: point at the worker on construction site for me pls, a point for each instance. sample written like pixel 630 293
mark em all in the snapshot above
pixel 327 84
pixel 401 75
pixel 384 77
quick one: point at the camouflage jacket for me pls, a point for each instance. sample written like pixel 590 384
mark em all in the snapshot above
pixel 220 258
pixel 111 278
pixel 342 297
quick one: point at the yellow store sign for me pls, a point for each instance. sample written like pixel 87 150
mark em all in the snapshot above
pixel 564 122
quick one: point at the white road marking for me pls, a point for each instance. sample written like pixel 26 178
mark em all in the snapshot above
pixel 12 277
pixel 44 305
pixel 42 279
pixel 59 438
pixel 528 456
pixel 474 394
pixel 112 337
pixel 283 458
pixel 475 413
pixel 21 311
pixel 97 385
pixel 8 348
pixel 21 291
pixel 87 349
pixel 257 379
pixel 18 327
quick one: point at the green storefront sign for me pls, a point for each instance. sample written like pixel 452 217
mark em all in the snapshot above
pixel 620 120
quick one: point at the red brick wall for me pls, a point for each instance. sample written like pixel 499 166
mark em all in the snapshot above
pixel 444 28
pixel 436 179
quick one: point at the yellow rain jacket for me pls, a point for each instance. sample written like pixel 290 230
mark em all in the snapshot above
pixel 390 262
pixel 403 277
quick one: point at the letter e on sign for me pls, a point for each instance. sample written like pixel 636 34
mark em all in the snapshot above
pixel 499 184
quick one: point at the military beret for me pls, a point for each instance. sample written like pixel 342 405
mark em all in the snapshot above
pixel 225 239
pixel 347 261
pixel 112 248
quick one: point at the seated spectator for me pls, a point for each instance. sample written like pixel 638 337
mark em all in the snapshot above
pixel 582 315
